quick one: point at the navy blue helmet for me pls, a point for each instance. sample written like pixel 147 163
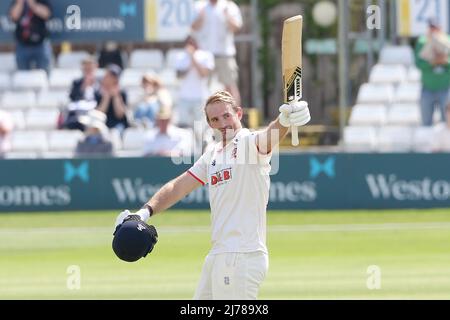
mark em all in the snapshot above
pixel 134 239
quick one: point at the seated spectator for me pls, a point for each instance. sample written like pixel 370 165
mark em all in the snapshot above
pixel 441 134
pixel 95 142
pixel 110 54
pixel 69 118
pixel 112 101
pixel 6 126
pixel 86 87
pixel 155 97
pixel 166 139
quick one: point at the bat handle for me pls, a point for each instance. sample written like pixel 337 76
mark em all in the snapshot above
pixel 294 135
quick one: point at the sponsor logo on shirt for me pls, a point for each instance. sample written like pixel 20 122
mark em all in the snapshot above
pixel 221 177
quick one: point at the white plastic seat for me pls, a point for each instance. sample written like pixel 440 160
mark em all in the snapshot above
pixel 131 78
pixel 168 77
pixel 8 61
pixel 134 139
pixel 172 57
pixel 71 60
pixel 368 115
pixel 29 141
pixel 360 139
pixel 52 99
pixel 18 100
pixel 147 58
pixel 41 119
pixel 64 140
pixel 408 92
pixel 375 93
pixel 5 81
pixel 414 74
pixel 18 118
pixel 30 80
pixel 382 73
pixel 134 96
pixel 397 55
pixel 395 139
pixel 63 78
pixel 404 115
pixel 422 139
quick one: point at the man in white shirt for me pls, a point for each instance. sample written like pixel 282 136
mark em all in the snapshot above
pixel 215 23
pixel 236 170
pixel 193 68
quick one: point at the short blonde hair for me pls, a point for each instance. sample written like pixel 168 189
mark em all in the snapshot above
pixel 221 97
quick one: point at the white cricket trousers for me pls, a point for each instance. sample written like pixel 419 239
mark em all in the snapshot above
pixel 232 276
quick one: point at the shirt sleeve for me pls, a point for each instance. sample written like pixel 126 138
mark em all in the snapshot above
pixel 235 13
pixel 200 169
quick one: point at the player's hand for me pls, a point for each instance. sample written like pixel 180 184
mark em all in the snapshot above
pixel 121 217
pixel 144 214
pixel 295 114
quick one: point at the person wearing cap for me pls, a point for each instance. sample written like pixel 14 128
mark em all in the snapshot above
pixel 432 58
pixel 166 139
pixel 156 96
pixel 112 100
pixel 95 141
pixel 86 87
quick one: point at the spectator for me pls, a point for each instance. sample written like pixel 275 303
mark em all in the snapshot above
pixel 166 139
pixel 193 68
pixel 441 134
pixel 216 22
pixel 6 126
pixel 95 142
pixel 112 101
pixel 155 97
pixel 433 61
pixel 86 87
pixel 33 47
pixel 110 54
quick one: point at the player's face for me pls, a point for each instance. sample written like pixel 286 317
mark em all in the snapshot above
pixel 224 119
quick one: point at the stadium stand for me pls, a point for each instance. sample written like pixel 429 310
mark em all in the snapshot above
pixel 7 62
pixel 147 58
pixel 71 60
pixel 30 80
pixel 386 116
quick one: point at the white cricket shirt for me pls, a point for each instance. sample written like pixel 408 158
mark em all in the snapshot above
pixel 238 180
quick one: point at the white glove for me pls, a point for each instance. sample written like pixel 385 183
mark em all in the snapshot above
pixel 295 114
pixel 143 213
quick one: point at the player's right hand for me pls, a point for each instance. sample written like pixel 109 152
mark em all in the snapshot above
pixel 121 217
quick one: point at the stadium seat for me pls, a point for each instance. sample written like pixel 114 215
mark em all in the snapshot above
pixel 375 93
pixel 359 139
pixel 52 99
pixel 63 78
pixel 147 58
pixel 134 139
pixel 397 55
pixel 168 77
pixel 368 115
pixel 64 140
pixel 131 78
pixel 414 74
pixel 30 80
pixel 18 100
pixel 29 141
pixel 408 92
pixel 115 138
pixel 172 56
pixel 382 73
pixel 18 119
pixel 41 119
pixel 134 96
pixel 71 60
pixel 422 139
pixel 7 61
pixel 394 139
pixel 100 73
pixel 404 115
pixel 5 81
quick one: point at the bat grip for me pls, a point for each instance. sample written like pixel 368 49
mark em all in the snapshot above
pixel 294 135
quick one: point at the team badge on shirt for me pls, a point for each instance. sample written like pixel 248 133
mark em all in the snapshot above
pixel 221 177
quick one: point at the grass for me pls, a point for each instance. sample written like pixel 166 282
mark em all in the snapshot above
pixel 313 255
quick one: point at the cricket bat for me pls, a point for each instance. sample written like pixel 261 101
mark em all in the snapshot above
pixel 291 64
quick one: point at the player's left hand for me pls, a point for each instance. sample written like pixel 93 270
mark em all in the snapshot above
pixel 294 114
pixel 121 217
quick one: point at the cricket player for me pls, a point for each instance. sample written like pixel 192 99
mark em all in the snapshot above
pixel 236 170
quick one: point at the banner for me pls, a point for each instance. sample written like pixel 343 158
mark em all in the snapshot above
pixel 119 20
pixel 310 181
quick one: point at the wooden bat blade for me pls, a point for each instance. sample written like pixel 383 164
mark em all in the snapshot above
pixel 291 63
